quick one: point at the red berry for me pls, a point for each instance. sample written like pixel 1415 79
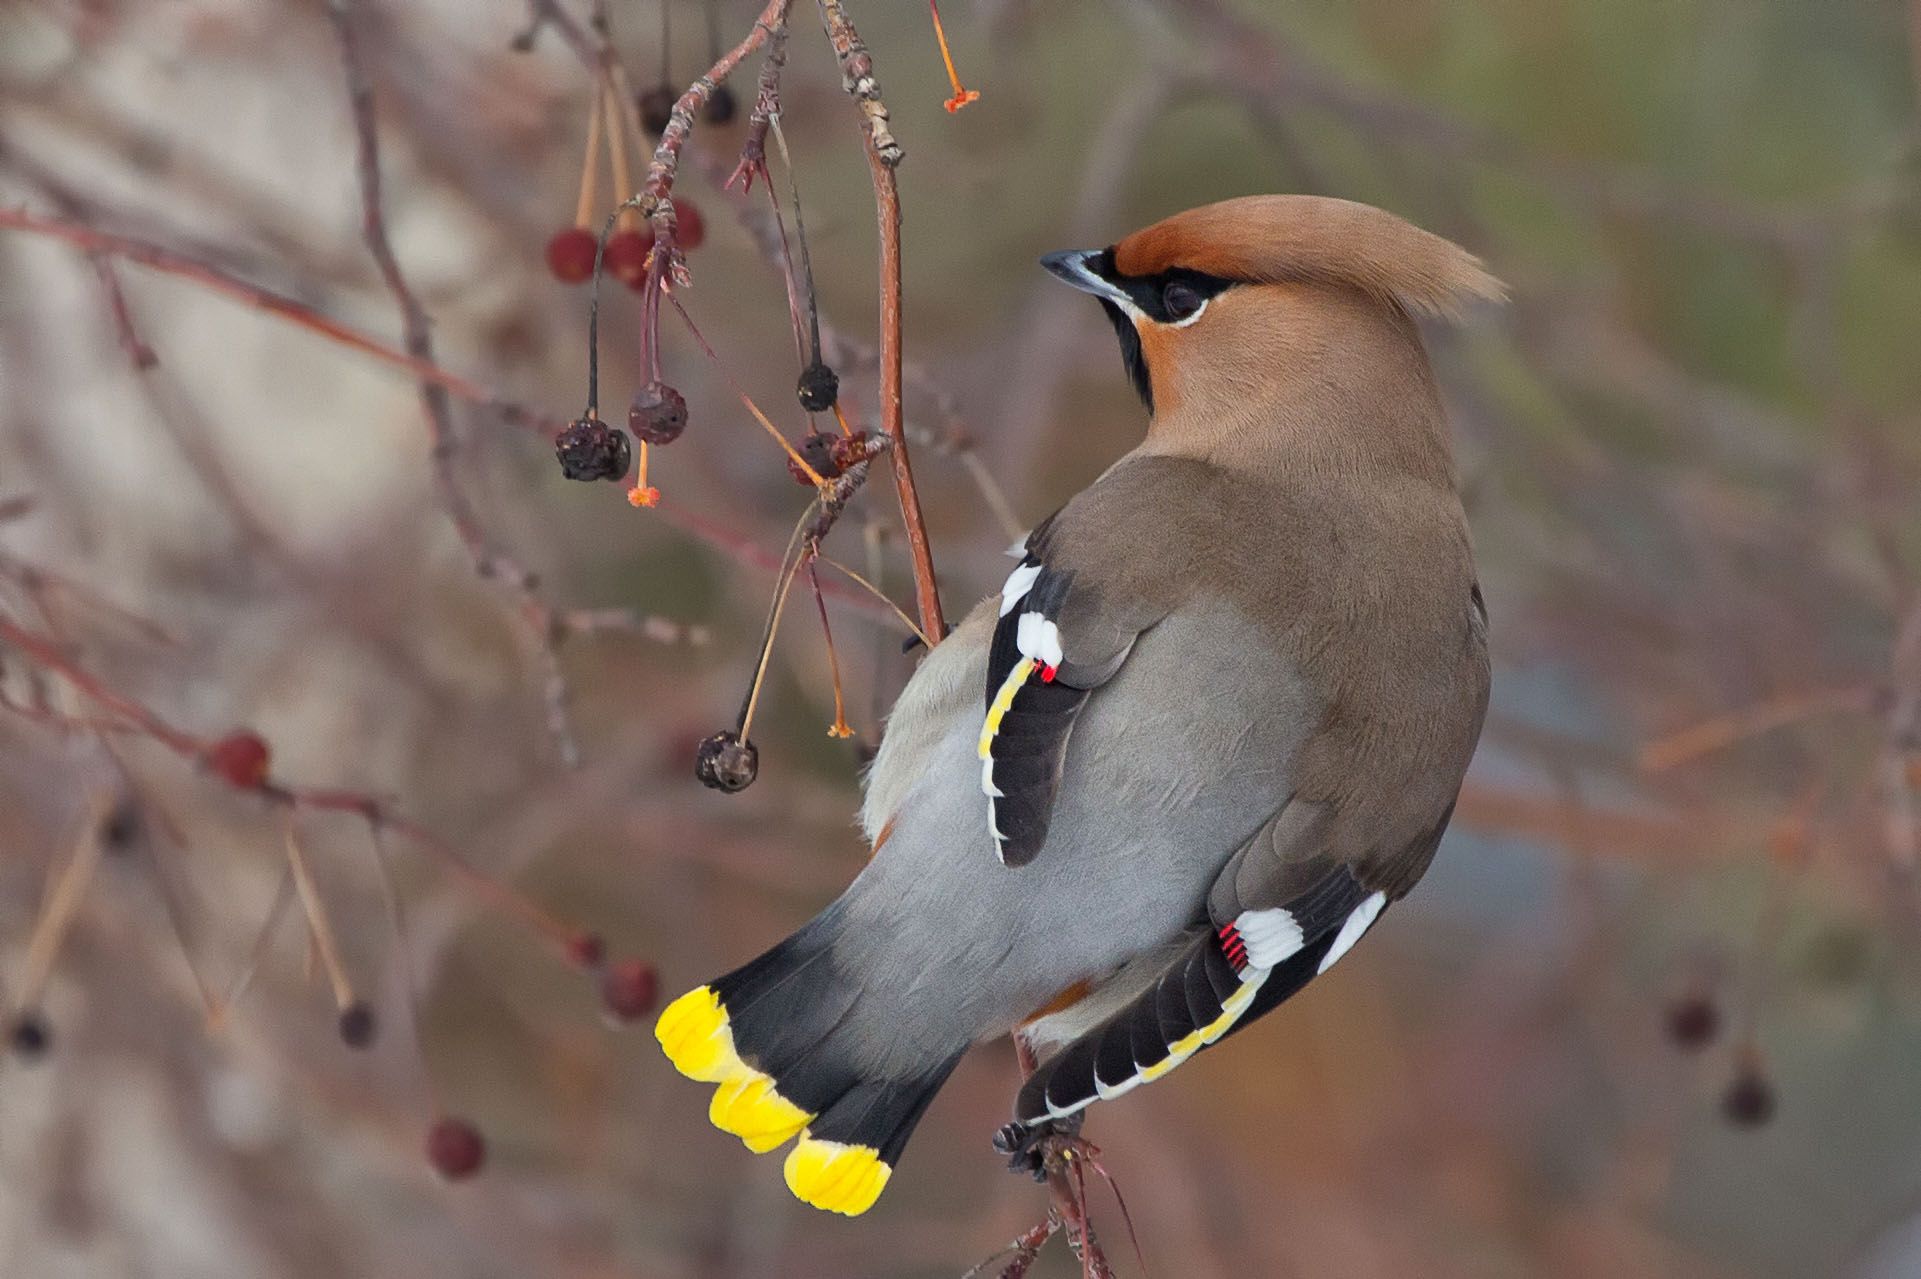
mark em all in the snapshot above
pixel 240 759
pixel 629 989
pixel 692 228
pixel 586 950
pixel 570 254
pixel 849 450
pixel 626 256
pixel 455 1148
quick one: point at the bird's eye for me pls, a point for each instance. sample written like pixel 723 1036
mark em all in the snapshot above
pixel 1181 301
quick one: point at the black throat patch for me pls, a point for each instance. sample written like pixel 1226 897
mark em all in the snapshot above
pixel 1148 293
pixel 1131 354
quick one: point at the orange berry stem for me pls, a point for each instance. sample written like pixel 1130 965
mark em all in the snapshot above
pixel 617 143
pixel 318 923
pixel 590 169
pixel 218 1011
pixel 840 727
pixel 962 96
pixel 789 569
pixel 64 893
pixel 642 493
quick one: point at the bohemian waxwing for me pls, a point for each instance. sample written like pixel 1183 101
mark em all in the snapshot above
pixel 1212 725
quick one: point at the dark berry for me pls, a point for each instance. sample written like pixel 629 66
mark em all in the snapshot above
pixel 726 762
pixel 630 989
pixel 455 1148
pixel 817 450
pixel 121 829
pixel 690 228
pixel 722 106
pixel 589 449
pixel 358 1024
pixel 1749 1100
pixel 626 256
pixel 29 1036
pixel 819 387
pixel 240 758
pixel 586 950
pixel 657 108
pixel 658 413
pixel 1693 1022
pixel 570 254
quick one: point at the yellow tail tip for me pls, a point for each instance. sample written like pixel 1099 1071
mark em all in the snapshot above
pixel 693 1033
pixel 750 1109
pixel 836 1177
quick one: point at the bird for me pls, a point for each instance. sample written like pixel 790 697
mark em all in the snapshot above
pixel 1213 724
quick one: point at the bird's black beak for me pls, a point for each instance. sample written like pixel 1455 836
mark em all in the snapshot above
pixel 1082 269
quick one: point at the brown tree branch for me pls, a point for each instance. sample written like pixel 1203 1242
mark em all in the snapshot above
pixel 883 156
pixel 260 298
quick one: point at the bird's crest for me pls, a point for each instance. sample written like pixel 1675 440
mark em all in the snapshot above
pixel 1272 239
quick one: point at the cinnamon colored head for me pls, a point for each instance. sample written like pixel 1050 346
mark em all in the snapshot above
pixel 1289 309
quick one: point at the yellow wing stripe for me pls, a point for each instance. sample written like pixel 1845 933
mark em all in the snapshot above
pixel 835 1176
pixel 997 709
pixel 694 1033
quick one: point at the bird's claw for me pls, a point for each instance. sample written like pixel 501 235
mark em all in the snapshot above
pixel 1030 1148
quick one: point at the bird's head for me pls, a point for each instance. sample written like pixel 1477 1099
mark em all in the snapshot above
pixel 1240 309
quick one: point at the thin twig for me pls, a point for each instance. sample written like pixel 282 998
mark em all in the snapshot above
pixel 489 561
pixel 169 262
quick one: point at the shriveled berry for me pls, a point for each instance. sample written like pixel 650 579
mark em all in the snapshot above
pixel 690 228
pixel 658 413
pixel 586 950
pixel 722 106
pixel 657 108
pixel 819 387
pixel 1693 1021
pixel 630 989
pixel 570 254
pixel 726 762
pixel 29 1036
pixel 1749 1100
pixel 590 449
pixel 626 256
pixel 849 449
pixel 455 1148
pixel 817 450
pixel 240 759
pixel 358 1024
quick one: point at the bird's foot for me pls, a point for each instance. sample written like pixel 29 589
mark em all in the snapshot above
pixel 1034 1148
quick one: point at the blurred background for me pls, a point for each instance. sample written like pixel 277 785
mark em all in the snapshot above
pixel 1655 1011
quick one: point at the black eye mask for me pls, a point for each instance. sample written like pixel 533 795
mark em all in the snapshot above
pixel 1167 297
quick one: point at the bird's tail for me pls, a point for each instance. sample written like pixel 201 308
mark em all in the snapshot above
pixel 772 1036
